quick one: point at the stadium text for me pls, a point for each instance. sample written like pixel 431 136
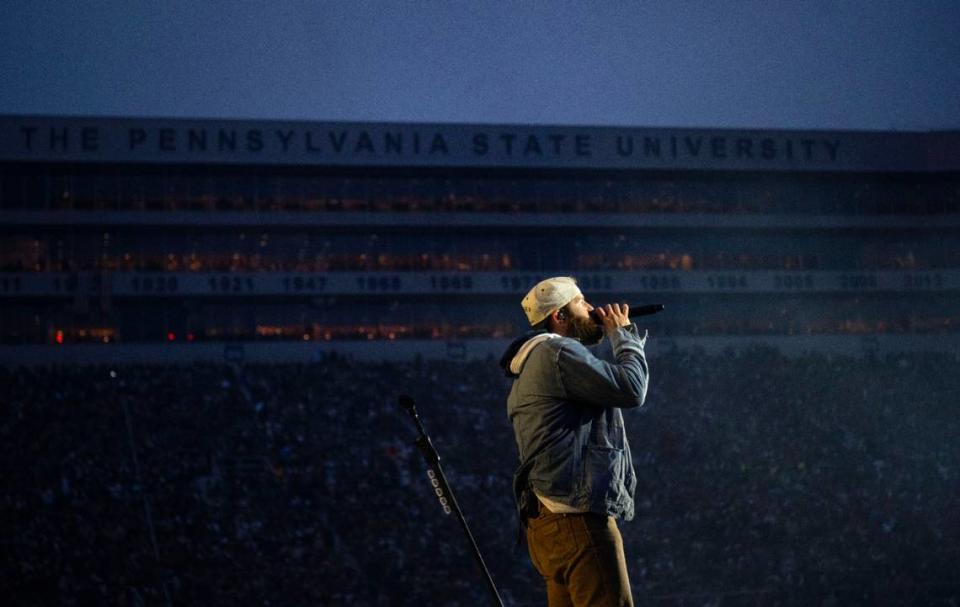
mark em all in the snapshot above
pixel 379 143
pixel 153 284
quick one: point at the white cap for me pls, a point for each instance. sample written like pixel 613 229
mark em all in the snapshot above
pixel 547 296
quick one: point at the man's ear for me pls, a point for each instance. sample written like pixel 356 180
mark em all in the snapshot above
pixel 557 319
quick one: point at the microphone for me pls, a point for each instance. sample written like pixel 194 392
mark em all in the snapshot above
pixel 638 311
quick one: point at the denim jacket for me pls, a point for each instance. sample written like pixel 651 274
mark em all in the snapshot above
pixel 565 406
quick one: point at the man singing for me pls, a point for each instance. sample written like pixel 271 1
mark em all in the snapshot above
pixel 576 475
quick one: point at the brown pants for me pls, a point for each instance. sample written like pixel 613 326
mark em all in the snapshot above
pixel 580 556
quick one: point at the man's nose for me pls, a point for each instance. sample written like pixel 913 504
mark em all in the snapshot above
pixel 589 306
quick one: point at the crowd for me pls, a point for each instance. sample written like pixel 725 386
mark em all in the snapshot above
pixel 763 479
pixel 784 321
pixel 603 253
pixel 267 190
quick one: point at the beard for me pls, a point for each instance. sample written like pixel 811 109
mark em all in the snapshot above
pixel 586 331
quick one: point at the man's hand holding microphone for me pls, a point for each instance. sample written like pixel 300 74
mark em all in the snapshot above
pixel 612 316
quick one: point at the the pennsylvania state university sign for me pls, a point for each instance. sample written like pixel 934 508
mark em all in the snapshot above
pixel 305 143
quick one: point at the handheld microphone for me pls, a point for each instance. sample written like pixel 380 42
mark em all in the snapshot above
pixel 638 311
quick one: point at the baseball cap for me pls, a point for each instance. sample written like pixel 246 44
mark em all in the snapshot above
pixel 549 295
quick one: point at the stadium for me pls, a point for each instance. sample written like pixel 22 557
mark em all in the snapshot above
pixel 136 233
pixel 204 325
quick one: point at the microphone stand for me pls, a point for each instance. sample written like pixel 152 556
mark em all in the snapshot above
pixel 442 490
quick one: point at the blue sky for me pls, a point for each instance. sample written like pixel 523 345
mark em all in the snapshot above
pixel 746 64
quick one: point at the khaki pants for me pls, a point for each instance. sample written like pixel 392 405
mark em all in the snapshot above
pixel 580 556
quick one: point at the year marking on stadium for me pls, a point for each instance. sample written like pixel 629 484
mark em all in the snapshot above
pixel 69 284
pixel 304 284
pixel 231 284
pixel 155 284
pixel 727 281
pixel 923 281
pixel 10 285
pixel 451 283
pixel 858 281
pixel 379 283
pixel 659 282
pixel 793 282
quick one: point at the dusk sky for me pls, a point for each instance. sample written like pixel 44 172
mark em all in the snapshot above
pixel 738 64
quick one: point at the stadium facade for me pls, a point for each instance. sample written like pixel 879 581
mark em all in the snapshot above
pixel 167 239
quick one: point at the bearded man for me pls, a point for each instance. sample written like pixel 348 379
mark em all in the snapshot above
pixel 576 475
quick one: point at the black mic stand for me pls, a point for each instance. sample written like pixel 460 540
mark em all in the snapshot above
pixel 442 490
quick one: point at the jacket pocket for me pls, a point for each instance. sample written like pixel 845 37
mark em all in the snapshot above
pixel 605 471
pixel 554 472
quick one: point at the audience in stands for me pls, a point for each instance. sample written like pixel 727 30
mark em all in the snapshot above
pixel 763 480
pixel 587 255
